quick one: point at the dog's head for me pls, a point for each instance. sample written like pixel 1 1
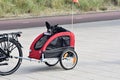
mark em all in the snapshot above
pixel 54 29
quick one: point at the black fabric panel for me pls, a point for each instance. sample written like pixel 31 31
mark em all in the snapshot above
pixel 59 42
pixel 66 41
pixel 55 53
pixel 41 42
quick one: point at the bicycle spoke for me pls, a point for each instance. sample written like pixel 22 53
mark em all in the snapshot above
pixel 11 47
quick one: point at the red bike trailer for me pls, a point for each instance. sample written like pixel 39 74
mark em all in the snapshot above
pixel 37 53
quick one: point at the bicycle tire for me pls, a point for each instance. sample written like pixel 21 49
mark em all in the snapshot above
pixel 20 54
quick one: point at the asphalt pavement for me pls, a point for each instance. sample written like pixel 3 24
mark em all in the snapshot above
pixel 97 46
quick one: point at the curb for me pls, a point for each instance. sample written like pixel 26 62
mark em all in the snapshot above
pixel 66 19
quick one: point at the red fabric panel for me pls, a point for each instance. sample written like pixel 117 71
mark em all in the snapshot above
pixel 35 53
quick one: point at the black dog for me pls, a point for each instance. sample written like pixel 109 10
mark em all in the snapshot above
pixel 54 29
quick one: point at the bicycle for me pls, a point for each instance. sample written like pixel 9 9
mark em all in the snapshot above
pixel 10 48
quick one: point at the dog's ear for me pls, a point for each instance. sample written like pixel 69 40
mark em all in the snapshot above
pixel 56 25
pixel 47 25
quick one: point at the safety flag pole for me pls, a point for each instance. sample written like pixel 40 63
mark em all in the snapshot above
pixel 73 2
pixel 72 14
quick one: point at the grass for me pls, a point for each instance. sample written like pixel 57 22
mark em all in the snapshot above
pixel 15 8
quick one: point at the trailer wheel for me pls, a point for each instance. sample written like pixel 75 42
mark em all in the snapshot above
pixel 52 62
pixel 68 59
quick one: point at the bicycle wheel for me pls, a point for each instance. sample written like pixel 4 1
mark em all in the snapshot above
pixel 11 62
pixel 52 62
pixel 68 59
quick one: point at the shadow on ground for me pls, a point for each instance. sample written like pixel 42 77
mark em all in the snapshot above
pixel 35 69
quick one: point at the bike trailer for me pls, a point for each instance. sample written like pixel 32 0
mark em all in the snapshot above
pixel 52 44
